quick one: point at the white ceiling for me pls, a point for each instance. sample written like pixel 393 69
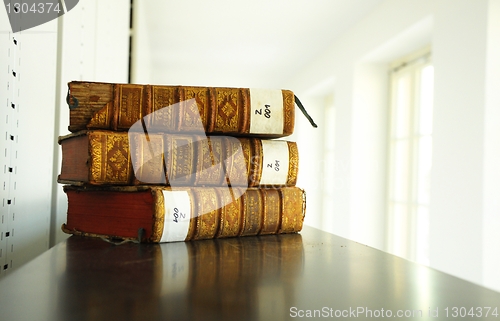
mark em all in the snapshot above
pixel 258 43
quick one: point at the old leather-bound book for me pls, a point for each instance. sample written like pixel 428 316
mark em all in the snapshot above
pixel 214 110
pixel 162 214
pixel 101 157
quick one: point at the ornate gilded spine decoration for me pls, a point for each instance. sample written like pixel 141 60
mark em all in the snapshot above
pixel 231 214
pixel 96 158
pixel 195 108
pixel 244 122
pixel 207 213
pixel 110 158
pixel 248 157
pixel 148 165
pixel 102 118
pixel 288 112
pixel 272 209
pixel 129 105
pixel 210 156
pixel 182 159
pixel 163 115
pixel 256 161
pixel 293 165
pixel 229 108
pixel 237 168
pixel 253 213
pixel 117 159
pixel 292 210
pixel 159 215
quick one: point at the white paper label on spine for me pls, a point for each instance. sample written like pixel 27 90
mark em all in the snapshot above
pixel 275 162
pixel 266 111
pixel 177 216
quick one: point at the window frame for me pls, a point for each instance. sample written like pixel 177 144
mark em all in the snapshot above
pixel 407 231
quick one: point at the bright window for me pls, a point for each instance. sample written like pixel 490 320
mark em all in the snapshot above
pixel 410 156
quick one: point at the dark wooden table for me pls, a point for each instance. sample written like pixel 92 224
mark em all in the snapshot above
pixel 311 275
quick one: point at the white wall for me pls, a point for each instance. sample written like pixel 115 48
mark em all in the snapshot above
pixel 459 55
pixel 464 211
pixel 368 153
pixel 491 183
pixel 26 140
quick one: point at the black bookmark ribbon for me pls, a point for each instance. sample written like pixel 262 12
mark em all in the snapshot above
pixel 304 111
pixel 71 101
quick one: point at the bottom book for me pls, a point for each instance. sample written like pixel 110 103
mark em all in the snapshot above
pixel 157 214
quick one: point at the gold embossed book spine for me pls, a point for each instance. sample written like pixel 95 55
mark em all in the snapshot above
pixel 167 215
pixel 181 109
pixel 100 157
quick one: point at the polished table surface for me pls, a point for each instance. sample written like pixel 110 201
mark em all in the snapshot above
pixel 311 275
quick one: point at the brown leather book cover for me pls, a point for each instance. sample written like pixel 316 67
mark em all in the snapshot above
pixel 164 214
pixel 101 157
pixel 221 110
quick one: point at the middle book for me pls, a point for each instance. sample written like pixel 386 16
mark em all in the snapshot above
pixel 102 157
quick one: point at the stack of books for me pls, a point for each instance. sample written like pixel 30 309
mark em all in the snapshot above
pixel 149 163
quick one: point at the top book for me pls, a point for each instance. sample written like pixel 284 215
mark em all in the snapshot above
pixel 181 109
